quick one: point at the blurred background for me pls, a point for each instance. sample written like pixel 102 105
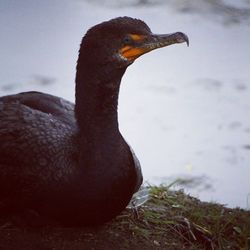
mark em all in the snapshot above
pixel 184 110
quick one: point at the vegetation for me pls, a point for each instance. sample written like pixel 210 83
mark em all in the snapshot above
pixel 169 220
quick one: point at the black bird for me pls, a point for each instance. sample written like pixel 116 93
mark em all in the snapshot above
pixel 70 162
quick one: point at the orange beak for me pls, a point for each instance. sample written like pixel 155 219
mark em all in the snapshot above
pixel 144 44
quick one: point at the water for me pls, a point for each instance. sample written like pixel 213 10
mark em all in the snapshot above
pixel 185 111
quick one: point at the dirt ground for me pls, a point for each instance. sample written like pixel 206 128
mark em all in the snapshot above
pixel 169 220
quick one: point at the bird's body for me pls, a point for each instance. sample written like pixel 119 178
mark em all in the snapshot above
pixel 70 162
pixel 40 162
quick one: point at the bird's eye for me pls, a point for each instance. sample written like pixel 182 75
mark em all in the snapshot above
pixel 127 40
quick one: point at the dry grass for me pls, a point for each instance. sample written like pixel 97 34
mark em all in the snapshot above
pixel 169 220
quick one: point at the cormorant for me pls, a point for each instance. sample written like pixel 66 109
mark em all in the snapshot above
pixel 70 162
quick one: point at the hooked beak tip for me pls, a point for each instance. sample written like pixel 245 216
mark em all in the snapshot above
pixel 182 38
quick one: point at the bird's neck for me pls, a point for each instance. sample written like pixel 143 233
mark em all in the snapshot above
pixel 97 90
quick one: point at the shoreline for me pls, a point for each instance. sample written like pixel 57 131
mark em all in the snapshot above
pixel 168 220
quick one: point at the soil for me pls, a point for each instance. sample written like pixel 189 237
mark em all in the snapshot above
pixel 168 220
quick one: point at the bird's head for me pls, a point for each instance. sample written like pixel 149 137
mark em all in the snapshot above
pixel 122 40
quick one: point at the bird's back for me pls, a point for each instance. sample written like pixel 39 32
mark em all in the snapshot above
pixel 37 143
